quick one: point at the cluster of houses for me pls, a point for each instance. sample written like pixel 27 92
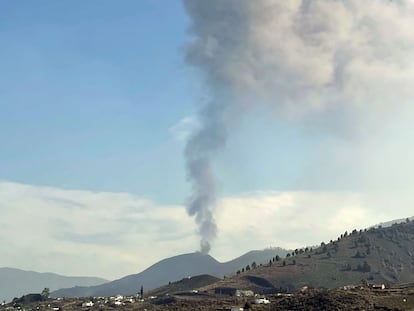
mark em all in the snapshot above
pixel 117 300
pixel 367 285
pixel 56 304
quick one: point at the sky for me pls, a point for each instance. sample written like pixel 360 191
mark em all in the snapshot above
pixel 300 112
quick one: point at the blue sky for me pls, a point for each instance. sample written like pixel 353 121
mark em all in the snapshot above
pixel 97 99
pixel 90 91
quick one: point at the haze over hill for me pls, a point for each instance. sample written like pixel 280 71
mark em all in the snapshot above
pixel 170 270
pixel 15 282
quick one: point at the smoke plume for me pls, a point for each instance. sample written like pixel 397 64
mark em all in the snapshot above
pixel 303 59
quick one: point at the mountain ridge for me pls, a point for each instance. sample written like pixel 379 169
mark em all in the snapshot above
pixel 17 282
pixel 170 270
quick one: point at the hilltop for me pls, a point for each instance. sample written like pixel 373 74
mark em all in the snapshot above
pixel 170 270
pixel 379 255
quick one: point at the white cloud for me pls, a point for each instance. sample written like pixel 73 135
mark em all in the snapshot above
pixel 290 219
pixel 88 233
pixel 116 234
pixel 185 127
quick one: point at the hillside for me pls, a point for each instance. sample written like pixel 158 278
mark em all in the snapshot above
pixel 379 255
pixel 395 221
pixel 170 270
pixel 185 285
pixel 15 282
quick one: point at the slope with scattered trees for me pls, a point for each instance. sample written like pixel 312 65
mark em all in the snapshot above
pixel 379 255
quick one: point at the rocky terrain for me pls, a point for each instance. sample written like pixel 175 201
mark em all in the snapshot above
pixel 360 297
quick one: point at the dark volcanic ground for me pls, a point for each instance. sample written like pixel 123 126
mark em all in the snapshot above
pixel 360 298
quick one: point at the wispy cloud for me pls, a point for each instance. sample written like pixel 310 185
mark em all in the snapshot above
pixel 182 130
pixel 291 219
pixel 118 232
pixel 115 234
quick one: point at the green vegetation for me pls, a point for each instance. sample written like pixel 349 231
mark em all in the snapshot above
pixel 45 292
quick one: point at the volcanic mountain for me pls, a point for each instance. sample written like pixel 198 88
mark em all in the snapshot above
pixel 171 270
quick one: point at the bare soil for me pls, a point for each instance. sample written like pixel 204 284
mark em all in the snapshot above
pixel 361 298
